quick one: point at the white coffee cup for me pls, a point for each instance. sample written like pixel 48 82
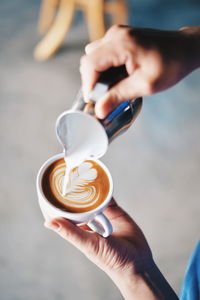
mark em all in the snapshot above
pixel 95 218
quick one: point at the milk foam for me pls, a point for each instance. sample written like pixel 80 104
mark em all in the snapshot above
pixel 80 191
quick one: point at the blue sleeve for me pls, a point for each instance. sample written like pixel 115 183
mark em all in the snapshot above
pixel 191 285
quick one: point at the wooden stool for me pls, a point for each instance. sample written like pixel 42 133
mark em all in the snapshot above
pixel 56 17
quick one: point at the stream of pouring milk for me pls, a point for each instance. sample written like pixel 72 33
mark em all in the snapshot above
pixel 66 177
pixel 72 161
pixel 82 137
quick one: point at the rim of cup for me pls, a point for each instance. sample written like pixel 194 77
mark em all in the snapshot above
pixel 56 157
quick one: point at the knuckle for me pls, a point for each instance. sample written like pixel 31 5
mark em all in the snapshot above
pixel 92 46
pixel 65 233
pixel 112 30
pixel 125 32
pixel 115 27
pixel 88 46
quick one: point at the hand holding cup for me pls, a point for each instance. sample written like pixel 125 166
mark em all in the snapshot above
pixel 89 193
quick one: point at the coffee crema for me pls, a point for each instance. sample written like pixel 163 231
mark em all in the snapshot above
pixel 88 186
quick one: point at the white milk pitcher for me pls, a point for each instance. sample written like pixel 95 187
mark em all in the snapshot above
pixel 81 134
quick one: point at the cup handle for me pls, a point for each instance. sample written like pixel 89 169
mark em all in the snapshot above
pixel 101 225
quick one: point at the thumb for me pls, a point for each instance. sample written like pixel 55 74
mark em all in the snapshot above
pixel 122 91
pixel 81 239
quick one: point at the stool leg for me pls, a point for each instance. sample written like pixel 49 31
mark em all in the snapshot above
pixel 120 15
pixel 47 12
pixel 55 36
pixel 95 19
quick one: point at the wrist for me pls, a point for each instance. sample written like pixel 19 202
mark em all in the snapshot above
pixel 132 283
pixel 147 282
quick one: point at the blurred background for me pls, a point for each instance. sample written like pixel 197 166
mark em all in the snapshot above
pixel 155 165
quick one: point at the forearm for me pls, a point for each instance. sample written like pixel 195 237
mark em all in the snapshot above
pixel 146 285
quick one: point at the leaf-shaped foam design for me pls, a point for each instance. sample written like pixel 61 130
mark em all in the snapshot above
pixel 80 177
pixel 86 189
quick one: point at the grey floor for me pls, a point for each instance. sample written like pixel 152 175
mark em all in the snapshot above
pixel 155 165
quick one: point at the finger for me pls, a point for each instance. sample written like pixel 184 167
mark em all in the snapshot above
pixel 122 91
pixel 92 46
pixel 89 77
pixel 107 37
pixel 113 30
pixel 114 211
pixel 85 227
pixel 78 237
pixel 138 84
pixel 46 217
pixel 99 60
pixel 109 34
pixel 112 202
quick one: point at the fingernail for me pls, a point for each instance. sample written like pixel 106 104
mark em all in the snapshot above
pixel 53 226
pixel 99 115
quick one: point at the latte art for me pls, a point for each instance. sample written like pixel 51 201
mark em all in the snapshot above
pixel 78 192
pixel 87 188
